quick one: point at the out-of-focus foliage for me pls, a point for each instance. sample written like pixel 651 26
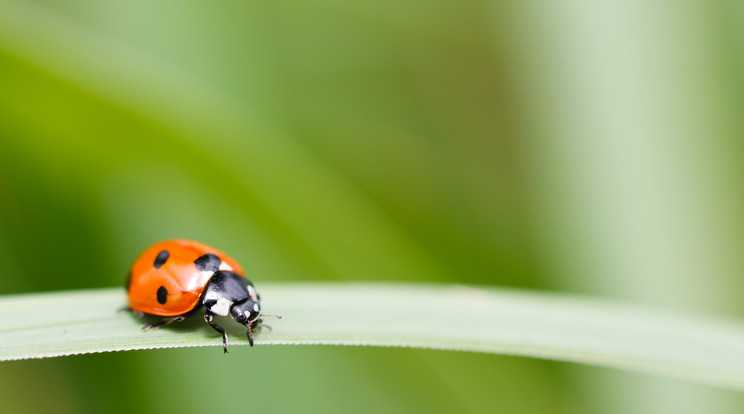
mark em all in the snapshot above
pixel 589 146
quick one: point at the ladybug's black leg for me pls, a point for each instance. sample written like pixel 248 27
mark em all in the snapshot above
pixel 208 316
pixel 262 327
pixel 250 336
pixel 127 309
pixel 165 321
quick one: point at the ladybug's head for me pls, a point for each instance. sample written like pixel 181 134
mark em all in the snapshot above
pixel 246 312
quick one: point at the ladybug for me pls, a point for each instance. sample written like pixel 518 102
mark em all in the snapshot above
pixel 175 278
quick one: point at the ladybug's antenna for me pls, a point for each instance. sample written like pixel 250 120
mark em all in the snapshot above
pixel 273 316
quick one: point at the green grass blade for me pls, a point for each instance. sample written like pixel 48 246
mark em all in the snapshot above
pixel 541 325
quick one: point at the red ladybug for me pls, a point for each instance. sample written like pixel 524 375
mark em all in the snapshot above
pixel 175 278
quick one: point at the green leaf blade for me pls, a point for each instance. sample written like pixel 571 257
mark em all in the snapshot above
pixel 447 317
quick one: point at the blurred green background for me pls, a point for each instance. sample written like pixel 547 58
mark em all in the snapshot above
pixel 587 146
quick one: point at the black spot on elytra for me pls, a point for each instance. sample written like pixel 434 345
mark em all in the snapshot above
pixel 161 258
pixel 208 262
pixel 162 295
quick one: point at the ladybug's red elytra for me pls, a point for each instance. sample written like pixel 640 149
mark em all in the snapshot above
pixel 174 278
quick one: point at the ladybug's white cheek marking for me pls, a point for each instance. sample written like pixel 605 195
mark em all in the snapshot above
pixel 200 279
pixel 225 266
pixel 222 307
pixel 256 308
pixel 204 276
